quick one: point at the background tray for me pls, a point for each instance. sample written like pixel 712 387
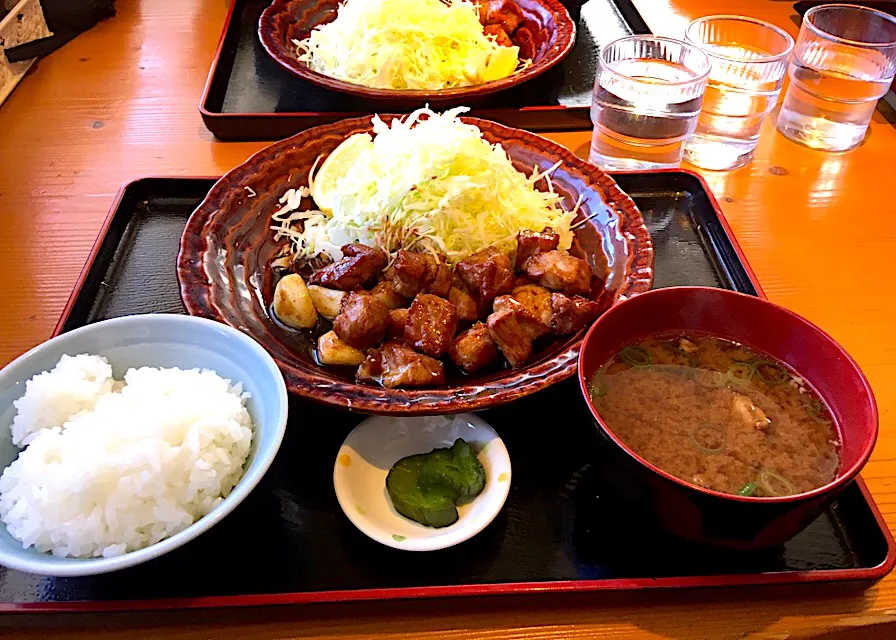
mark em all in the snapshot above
pixel 559 531
pixel 248 96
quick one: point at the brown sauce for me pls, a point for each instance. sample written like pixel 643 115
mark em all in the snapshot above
pixel 304 343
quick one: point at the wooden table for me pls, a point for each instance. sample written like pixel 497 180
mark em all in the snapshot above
pixel 121 101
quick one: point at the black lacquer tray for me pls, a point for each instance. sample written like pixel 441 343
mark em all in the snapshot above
pixel 560 530
pixel 248 96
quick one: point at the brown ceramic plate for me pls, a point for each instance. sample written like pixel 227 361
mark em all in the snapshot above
pixel 227 246
pixel 553 30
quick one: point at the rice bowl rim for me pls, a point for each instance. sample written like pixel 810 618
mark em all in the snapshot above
pixel 44 563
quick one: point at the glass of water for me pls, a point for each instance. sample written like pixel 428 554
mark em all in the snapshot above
pixel 749 58
pixel 843 62
pixel 647 96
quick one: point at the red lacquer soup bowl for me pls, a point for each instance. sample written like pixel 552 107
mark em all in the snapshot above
pixel 700 514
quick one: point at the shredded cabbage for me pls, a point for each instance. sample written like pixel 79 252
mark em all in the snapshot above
pixel 404 44
pixel 426 184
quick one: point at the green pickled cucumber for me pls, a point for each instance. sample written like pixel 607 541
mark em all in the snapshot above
pixel 429 507
pixel 426 487
pixel 457 468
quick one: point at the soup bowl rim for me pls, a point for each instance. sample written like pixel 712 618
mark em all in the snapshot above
pixel 842 478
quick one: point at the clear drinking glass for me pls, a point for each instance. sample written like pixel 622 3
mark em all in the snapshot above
pixel 843 62
pixel 647 95
pixel 748 58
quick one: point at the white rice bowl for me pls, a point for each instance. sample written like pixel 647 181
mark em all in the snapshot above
pixel 113 467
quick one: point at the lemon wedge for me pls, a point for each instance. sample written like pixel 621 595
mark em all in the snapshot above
pixel 323 188
pixel 501 63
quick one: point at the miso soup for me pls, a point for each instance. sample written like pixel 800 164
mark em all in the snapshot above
pixel 719 415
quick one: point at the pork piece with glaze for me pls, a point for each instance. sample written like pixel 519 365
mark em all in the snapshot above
pixel 398 320
pixel 501 37
pixel 503 12
pixel 432 323
pixel 532 303
pixel 359 264
pixel 396 365
pixel 528 243
pixel 412 273
pixel 529 323
pixel 362 320
pixel 537 301
pixel 473 349
pixel 439 282
pixel 510 334
pixel 486 275
pixel 525 40
pixel 560 272
pixel 467 311
pixel 385 291
pixel 569 314
pixel 407 273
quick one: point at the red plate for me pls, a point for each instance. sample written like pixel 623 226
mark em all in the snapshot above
pixel 227 246
pixel 553 35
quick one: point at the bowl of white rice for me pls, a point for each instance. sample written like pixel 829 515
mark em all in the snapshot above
pixel 124 439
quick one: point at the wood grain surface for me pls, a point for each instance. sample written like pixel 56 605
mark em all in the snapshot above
pixel 121 101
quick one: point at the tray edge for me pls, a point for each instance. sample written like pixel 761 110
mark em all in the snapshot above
pixel 863 575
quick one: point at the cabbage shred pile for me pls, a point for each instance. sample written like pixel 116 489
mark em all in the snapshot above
pixel 401 44
pixel 429 182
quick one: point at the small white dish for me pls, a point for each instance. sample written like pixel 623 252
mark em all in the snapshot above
pixel 375 445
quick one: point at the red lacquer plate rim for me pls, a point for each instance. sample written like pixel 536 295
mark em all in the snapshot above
pixel 200 295
pixel 269 36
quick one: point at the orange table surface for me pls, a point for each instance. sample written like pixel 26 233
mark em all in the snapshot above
pixel 121 101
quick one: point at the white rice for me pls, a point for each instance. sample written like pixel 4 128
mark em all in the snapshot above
pixel 52 397
pixel 109 468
